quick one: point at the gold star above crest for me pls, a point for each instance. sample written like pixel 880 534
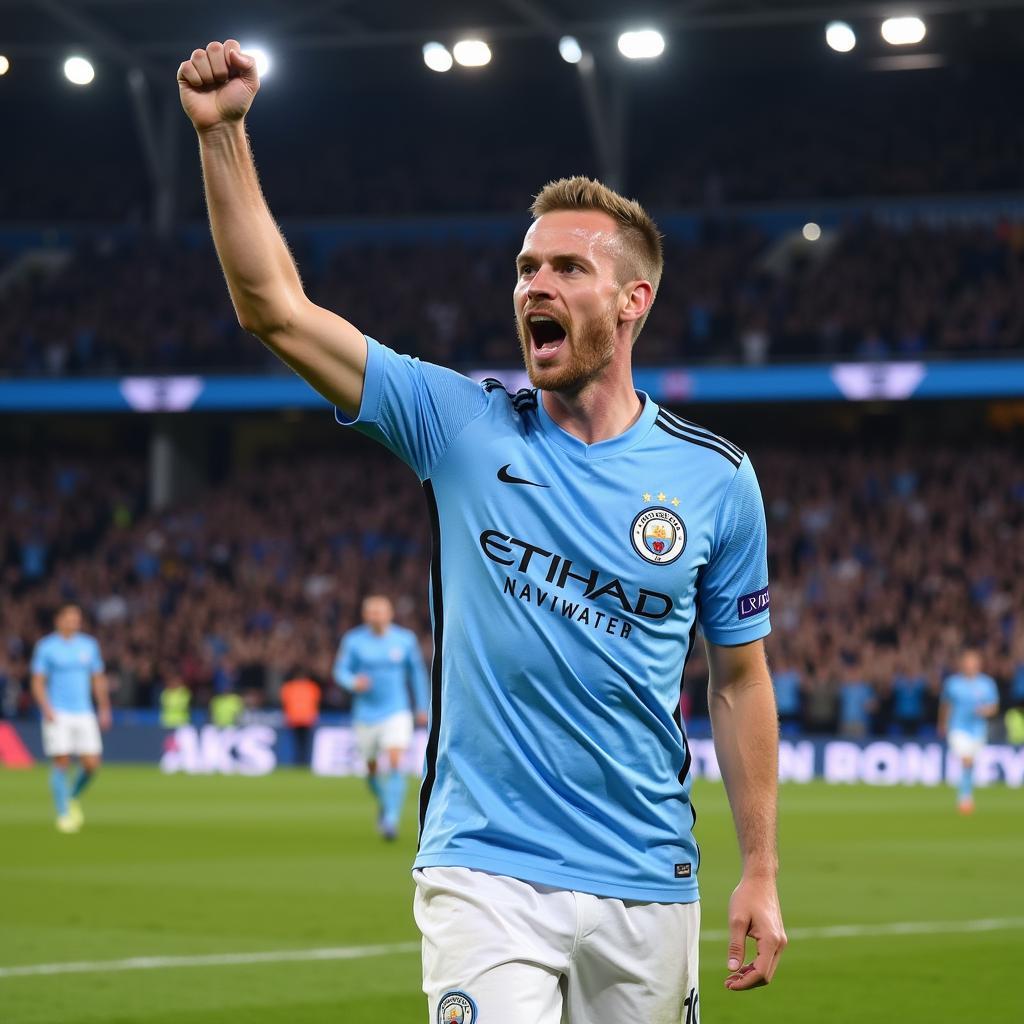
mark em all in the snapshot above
pixel 675 501
pixel 647 495
pixel 661 495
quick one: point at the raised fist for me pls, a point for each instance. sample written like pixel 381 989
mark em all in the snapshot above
pixel 217 85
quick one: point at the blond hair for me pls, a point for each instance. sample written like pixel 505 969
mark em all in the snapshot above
pixel 643 256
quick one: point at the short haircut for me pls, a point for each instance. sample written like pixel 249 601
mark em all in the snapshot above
pixel 643 255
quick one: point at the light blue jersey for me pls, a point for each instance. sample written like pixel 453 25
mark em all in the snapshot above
pixel 965 694
pixel 391 660
pixel 855 699
pixel 69 666
pixel 567 584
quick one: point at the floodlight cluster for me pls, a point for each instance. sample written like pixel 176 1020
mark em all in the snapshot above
pixel 906 30
pixel 639 44
pixel 636 44
pixel 467 53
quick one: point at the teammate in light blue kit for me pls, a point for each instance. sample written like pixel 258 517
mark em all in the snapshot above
pixel 581 536
pixel 969 699
pixel 376 663
pixel 67 672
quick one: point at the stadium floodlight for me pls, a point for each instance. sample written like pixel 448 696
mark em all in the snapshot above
pixel 5 65
pixel 903 31
pixel 570 49
pixel 812 231
pixel 437 57
pixel 642 44
pixel 78 71
pixel 840 36
pixel 471 53
pixel 261 55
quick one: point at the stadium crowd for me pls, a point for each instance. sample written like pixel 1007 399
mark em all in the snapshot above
pixel 884 565
pixel 731 295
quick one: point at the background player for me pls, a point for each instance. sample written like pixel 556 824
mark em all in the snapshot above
pixel 376 662
pixel 67 673
pixel 969 699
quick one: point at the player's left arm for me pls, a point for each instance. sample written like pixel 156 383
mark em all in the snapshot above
pixel 746 732
pixel 101 689
pixel 991 707
pixel 101 694
pixel 418 672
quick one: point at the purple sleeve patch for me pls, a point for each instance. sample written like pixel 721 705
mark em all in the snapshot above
pixel 752 604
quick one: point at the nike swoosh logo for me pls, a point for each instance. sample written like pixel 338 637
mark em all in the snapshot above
pixel 503 476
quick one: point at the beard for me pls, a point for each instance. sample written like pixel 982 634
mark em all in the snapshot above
pixel 591 348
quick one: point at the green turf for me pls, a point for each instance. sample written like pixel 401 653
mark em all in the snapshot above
pixel 182 866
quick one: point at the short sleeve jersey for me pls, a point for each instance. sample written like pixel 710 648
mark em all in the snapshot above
pixel 965 694
pixel 568 581
pixel 69 665
pixel 393 662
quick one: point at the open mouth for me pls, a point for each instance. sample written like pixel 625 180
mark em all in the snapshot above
pixel 547 333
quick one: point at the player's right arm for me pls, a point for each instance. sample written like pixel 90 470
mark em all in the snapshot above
pixel 39 694
pixel 345 665
pixel 217 86
pixel 37 682
pixel 942 725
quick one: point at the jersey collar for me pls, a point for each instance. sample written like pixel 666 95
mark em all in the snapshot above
pixel 602 449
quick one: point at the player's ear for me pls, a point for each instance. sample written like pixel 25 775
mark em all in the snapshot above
pixel 636 300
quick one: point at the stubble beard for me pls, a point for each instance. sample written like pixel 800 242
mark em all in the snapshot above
pixel 591 349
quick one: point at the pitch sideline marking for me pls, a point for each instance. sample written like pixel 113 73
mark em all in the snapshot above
pixel 150 963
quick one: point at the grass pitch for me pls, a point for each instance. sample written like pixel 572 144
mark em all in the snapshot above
pixel 202 866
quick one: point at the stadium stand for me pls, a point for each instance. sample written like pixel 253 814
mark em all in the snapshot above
pixel 881 561
pixel 871 291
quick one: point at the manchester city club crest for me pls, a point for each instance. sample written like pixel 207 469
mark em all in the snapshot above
pixel 658 534
pixel 456 1008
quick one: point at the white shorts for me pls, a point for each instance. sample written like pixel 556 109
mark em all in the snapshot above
pixel 72 732
pixel 501 951
pixel 391 733
pixel 965 744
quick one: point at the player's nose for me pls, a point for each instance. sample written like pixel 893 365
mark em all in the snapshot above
pixel 542 283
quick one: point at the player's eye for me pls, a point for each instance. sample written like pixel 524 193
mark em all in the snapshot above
pixel 525 268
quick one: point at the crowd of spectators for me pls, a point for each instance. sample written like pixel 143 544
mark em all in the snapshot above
pixel 884 566
pixel 731 295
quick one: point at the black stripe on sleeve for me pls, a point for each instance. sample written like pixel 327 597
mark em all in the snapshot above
pixel 437 607
pixel 695 428
pixel 704 443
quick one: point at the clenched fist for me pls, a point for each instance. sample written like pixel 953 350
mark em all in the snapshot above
pixel 217 85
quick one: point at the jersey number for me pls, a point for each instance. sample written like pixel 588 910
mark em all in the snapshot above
pixel 691 1002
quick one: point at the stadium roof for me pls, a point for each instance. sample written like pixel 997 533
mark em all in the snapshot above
pixel 141 28
pixel 353 52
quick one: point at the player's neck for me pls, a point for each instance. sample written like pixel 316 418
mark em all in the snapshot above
pixel 605 408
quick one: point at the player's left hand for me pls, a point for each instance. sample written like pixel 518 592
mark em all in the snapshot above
pixel 754 910
pixel 106 719
pixel 421 719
